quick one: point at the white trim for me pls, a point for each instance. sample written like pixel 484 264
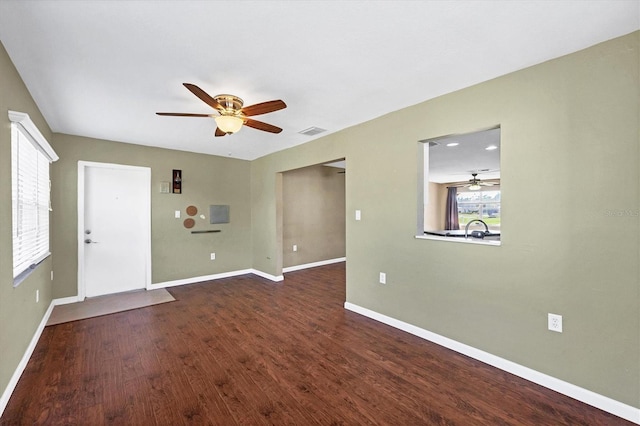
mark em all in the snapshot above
pixel 82 165
pixel 4 399
pixel 221 275
pixel 24 120
pixel 274 278
pixel 602 402
pixel 65 300
pixel 460 240
pixel 314 264
pixel 194 280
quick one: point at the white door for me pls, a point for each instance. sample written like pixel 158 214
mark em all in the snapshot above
pixel 114 226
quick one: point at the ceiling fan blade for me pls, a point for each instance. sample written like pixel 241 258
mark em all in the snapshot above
pixel 204 96
pixel 262 126
pixel 220 132
pixel 182 114
pixel 263 108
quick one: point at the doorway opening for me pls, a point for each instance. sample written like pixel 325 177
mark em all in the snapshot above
pixel 313 215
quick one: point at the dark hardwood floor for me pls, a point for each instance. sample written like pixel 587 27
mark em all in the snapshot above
pixel 248 351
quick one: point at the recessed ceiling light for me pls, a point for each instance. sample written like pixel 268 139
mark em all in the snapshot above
pixel 453 144
pixel 491 147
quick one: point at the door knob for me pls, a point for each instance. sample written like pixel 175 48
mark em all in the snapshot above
pixel 88 241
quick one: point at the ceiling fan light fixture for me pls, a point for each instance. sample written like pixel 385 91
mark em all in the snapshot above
pixel 474 187
pixel 229 123
pixel 233 115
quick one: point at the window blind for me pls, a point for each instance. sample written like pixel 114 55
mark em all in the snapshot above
pixel 30 190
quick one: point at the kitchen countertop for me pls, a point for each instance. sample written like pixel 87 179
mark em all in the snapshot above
pixel 458 233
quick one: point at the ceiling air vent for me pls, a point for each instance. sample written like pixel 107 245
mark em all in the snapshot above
pixel 312 131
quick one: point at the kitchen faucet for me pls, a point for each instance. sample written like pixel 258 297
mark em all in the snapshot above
pixel 466 229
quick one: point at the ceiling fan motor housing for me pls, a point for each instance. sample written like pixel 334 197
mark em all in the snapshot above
pixel 231 104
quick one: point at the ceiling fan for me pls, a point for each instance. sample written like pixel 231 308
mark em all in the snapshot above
pixel 231 114
pixel 475 183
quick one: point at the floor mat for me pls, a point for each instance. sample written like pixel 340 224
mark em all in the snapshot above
pixel 108 304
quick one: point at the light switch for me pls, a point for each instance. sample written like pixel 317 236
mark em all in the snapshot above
pixel 358 215
pixel 177 214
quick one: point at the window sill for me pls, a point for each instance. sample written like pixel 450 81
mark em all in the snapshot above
pixel 462 240
pixel 25 274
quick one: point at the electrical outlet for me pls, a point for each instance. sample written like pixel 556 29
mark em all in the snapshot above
pixel 295 247
pixel 358 215
pixel 383 278
pixel 37 296
pixel 213 256
pixel 555 323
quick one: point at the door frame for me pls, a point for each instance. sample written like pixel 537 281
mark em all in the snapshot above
pixel 146 214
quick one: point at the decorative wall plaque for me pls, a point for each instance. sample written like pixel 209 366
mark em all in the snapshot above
pixel 177 181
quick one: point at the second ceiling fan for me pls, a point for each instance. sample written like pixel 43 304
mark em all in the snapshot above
pixel 475 183
pixel 231 113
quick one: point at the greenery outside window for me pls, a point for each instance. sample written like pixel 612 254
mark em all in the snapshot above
pixel 483 205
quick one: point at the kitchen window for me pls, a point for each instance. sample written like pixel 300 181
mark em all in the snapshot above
pixel 483 205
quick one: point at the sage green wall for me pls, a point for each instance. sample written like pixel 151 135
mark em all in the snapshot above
pixel 571 197
pixel 20 315
pixel 176 253
pixel 313 215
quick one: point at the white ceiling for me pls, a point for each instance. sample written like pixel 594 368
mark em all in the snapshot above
pixel 454 158
pixel 103 68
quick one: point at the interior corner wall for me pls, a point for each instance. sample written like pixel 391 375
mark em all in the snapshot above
pixel 20 314
pixel 434 209
pixel 570 187
pixel 266 195
pixel 177 254
pixel 313 215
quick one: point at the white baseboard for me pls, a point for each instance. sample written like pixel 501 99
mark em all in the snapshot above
pixel 602 402
pixel 65 300
pixel 274 278
pixel 203 278
pixel 4 400
pixel 313 264
pixel 200 279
